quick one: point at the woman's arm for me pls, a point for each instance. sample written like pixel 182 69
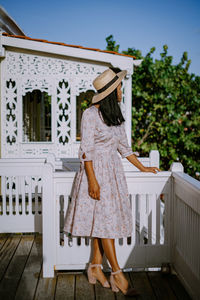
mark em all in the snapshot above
pixel 133 159
pixel 126 151
pixel 93 186
pixel 86 152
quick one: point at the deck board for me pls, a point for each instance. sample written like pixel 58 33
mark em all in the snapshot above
pixel 3 238
pixel 83 289
pixel 46 288
pixel 11 278
pixel 141 283
pixel 7 251
pixel 65 287
pixel 21 277
pixel 28 282
pixel 177 287
pixel 160 286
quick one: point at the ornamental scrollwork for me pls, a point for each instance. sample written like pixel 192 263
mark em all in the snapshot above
pixel 63 111
pixel 11 115
pixel 63 80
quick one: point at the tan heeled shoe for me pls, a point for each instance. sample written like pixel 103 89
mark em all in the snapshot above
pixel 129 292
pixel 92 279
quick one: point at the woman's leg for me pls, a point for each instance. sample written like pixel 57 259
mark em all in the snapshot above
pixel 97 259
pixel 97 251
pixel 109 250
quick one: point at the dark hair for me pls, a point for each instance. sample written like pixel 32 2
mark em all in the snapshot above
pixel 109 107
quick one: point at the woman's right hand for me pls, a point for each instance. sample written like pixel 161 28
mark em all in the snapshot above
pixel 94 189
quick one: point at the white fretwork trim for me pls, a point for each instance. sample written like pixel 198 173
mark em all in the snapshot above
pixel 63 80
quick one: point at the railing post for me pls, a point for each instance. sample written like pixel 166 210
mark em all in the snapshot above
pixel 55 162
pixel 175 167
pixel 154 157
pixel 48 222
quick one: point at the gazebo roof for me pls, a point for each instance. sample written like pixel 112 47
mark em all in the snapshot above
pixel 64 44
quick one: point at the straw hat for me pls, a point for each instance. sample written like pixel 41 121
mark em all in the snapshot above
pixel 106 82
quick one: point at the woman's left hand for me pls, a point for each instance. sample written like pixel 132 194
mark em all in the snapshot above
pixel 151 169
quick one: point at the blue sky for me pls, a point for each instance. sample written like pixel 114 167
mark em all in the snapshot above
pixel 137 24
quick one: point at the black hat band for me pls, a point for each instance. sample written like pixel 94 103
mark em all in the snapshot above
pixel 108 84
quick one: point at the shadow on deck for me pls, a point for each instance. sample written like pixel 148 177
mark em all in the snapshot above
pixel 21 277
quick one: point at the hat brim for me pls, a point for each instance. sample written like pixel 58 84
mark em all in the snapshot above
pixel 99 96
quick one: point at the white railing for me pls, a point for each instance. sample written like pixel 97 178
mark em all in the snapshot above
pixel 21 188
pixel 185 228
pixel 144 248
pixel 165 208
pixel 21 195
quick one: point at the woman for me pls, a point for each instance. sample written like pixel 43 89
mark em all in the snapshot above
pixel 100 206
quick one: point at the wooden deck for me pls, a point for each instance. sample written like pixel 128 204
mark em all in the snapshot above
pixel 21 277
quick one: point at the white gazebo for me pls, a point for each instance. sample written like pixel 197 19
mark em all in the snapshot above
pixel 42 86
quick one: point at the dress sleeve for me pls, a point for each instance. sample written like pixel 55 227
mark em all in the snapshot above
pixel 86 149
pixel 123 148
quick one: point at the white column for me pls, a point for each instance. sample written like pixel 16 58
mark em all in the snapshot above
pixel 48 222
pixel 128 106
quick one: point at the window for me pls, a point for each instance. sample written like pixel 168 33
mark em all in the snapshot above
pixel 37 117
pixel 82 102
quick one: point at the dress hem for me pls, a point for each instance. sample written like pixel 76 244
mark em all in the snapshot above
pixel 98 236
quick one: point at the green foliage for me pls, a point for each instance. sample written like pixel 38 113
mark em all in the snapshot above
pixel 111 44
pixel 133 52
pixel 165 109
pixel 85 99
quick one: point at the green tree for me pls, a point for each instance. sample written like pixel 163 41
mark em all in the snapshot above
pixel 165 109
pixel 134 52
pixel 111 44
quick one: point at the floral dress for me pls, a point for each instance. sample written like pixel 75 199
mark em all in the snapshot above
pixel 109 217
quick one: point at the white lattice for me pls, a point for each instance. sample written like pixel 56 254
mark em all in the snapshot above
pixel 63 80
pixel 82 85
pixel 63 111
pixel 35 83
pixel 29 64
pixel 11 112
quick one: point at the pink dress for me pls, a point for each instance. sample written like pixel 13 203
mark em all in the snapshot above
pixel 109 217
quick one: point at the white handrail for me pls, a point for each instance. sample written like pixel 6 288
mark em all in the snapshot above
pixel 186 231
